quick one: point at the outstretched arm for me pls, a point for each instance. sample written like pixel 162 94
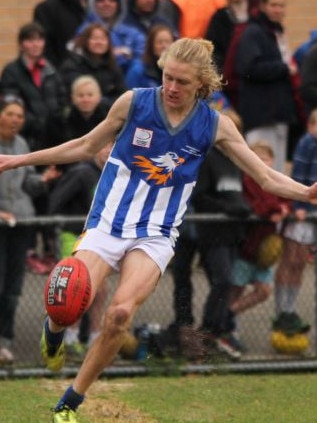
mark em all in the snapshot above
pixel 83 148
pixel 231 143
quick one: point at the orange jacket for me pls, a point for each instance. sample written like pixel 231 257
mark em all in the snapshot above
pixel 195 16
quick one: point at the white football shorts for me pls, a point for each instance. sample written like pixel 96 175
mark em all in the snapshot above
pixel 112 249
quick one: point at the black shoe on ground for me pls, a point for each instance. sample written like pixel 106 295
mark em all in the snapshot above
pixel 290 324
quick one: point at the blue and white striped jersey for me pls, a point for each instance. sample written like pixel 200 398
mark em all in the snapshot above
pixel 146 184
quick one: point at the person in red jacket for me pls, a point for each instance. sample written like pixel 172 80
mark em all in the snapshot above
pixel 247 269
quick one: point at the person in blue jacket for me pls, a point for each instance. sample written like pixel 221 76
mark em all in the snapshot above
pixel 302 50
pixel 127 41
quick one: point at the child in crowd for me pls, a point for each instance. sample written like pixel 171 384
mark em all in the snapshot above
pixel 247 269
pixel 299 237
pixel 87 107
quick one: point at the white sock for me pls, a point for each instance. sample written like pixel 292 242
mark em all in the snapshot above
pixel 292 295
pixel 71 335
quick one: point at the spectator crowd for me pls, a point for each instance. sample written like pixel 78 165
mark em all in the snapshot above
pixel 75 58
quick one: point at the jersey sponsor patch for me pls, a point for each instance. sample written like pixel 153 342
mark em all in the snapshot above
pixel 142 137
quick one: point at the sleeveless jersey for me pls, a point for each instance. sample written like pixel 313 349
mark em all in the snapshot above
pixel 147 181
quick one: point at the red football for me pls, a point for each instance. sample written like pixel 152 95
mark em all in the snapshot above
pixel 67 291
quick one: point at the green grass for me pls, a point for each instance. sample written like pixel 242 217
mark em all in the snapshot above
pixel 277 398
pixel 229 398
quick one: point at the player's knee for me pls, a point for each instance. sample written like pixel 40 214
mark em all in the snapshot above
pixel 120 316
pixel 117 319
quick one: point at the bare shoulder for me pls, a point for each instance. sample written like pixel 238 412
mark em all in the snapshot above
pixel 230 141
pixel 121 106
pixel 226 126
pixel 117 114
pixel 227 134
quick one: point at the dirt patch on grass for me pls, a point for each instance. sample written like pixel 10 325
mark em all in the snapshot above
pixel 101 405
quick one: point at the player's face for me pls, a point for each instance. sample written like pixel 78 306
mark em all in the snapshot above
pixel 86 98
pixel 11 121
pixel 180 84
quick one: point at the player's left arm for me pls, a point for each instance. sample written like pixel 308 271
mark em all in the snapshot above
pixel 230 142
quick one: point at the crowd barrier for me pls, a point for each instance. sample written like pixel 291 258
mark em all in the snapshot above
pixel 254 326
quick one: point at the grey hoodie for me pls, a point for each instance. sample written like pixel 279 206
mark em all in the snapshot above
pixel 18 186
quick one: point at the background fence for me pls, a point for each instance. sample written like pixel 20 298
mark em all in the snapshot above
pixel 254 325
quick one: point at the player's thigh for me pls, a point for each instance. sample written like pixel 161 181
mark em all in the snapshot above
pixel 98 269
pixel 138 278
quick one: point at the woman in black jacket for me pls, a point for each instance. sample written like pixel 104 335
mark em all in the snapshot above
pixel 33 78
pixel 92 55
pixel 266 97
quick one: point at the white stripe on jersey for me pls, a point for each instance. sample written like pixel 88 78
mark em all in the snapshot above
pixel 159 209
pixel 157 215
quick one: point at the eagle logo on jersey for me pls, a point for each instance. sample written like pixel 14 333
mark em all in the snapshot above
pixel 160 169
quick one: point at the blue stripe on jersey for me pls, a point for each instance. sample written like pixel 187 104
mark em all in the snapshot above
pixel 172 210
pixel 123 207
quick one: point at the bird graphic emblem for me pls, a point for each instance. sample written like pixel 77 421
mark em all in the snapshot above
pixel 159 169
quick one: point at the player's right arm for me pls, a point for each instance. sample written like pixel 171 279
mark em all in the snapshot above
pixel 83 148
pixel 230 141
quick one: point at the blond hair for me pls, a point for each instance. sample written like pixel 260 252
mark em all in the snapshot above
pixel 197 52
pixel 262 147
pixel 84 80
